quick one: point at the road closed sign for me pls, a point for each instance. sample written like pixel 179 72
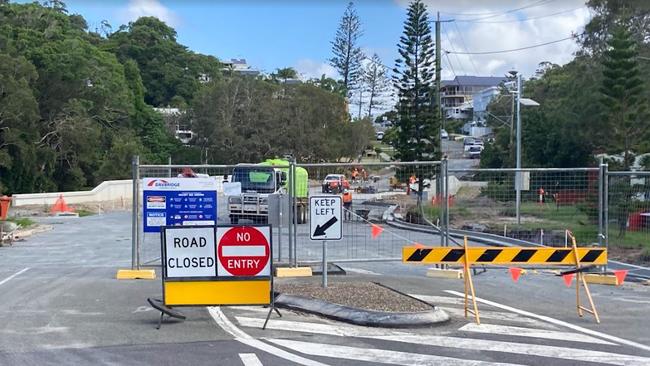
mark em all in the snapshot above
pixel 244 251
pixel 325 217
pixel 189 252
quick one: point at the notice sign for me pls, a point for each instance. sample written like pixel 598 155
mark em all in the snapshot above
pixel 190 252
pixel 244 251
pixel 325 217
pixel 178 202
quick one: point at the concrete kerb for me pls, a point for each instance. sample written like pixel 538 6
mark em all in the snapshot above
pixel 362 317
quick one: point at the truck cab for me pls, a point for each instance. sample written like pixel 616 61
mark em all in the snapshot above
pixel 257 183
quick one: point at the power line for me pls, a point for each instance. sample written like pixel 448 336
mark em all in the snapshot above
pixel 538 3
pixel 520 20
pixel 465 47
pixel 450 65
pixel 460 64
pixel 490 12
pixel 514 49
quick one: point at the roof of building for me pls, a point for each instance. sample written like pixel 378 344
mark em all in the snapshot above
pixel 475 80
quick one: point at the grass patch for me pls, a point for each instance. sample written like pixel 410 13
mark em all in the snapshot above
pixel 632 239
pixel 24 222
pixel 84 213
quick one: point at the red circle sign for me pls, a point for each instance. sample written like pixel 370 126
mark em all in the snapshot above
pixel 243 251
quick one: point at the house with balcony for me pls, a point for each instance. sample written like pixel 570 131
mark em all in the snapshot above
pixel 239 66
pixel 457 95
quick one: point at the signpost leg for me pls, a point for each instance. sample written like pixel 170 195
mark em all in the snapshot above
pixel 580 278
pixel 324 264
pixel 468 283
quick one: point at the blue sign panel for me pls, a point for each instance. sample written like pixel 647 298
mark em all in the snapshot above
pixel 178 202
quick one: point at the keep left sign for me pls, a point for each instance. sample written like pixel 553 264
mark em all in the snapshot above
pixel 189 252
pixel 244 251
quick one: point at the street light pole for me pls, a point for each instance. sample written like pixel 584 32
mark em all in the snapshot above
pixel 518 175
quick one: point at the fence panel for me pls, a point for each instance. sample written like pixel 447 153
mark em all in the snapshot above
pixel 628 215
pixel 381 192
pixel 552 201
pixel 241 208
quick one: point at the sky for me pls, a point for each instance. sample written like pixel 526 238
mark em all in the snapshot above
pixel 291 33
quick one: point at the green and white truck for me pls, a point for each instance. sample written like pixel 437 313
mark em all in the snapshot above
pixel 261 180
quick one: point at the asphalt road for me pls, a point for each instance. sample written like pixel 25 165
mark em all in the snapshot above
pixel 60 304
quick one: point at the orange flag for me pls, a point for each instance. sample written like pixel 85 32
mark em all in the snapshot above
pixel 515 272
pixel 567 279
pixel 620 276
pixel 376 230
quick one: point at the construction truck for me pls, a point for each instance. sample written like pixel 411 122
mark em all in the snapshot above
pixel 261 180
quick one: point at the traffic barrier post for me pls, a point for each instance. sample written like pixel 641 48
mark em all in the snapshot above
pixel 512 256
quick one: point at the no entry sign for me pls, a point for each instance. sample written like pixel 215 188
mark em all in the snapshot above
pixel 244 251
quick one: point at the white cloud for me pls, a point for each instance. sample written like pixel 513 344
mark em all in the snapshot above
pixel 496 27
pixel 308 69
pixel 141 8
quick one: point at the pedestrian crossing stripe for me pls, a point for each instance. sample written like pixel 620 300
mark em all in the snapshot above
pixel 503 256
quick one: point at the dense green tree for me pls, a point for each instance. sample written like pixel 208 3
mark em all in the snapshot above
pixel 345 47
pixel 244 119
pixel 168 68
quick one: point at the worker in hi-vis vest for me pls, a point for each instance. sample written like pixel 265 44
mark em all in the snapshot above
pixel 347 205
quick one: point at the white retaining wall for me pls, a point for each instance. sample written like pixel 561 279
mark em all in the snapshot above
pixel 111 190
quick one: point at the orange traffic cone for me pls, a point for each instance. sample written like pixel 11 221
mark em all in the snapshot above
pixel 60 206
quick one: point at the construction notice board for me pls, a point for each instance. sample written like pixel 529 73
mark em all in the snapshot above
pixel 216 265
pixel 178 202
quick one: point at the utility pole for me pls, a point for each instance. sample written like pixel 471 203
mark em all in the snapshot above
pixel 441 115
pixel 519 181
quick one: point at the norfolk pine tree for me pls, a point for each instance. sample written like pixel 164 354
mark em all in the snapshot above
pixel 622 91
pixel 375 82
pixel 347 54
pixel 418 126
pixel 625 109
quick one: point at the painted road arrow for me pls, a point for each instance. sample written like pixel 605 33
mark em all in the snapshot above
pixel 320 230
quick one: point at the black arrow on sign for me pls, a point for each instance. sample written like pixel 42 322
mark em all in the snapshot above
pixel 320 230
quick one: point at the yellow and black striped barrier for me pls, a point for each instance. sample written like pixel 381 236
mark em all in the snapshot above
pixel 468 256
pixel 503 256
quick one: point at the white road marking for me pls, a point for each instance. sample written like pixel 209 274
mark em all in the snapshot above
pixel 318 328
pixel 533 333
pixel 575 354
pixel 630 265
pixel 494 315
pixel 249 359
pixel 257 309
pixel 13 275
pixel 361 271
pixel 556 322
pixel 435 300
pixel 376 355
pixel 242 337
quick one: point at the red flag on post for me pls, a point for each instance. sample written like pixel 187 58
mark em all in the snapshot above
pixel 620 276
pixel 568 278
pixel 376 230
pixel 515 272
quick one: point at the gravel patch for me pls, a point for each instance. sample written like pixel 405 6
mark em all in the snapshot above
pixel 361 295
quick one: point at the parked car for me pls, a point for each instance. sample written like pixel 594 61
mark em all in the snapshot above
pixel 335 183
pixel 380 135
pixel 444 135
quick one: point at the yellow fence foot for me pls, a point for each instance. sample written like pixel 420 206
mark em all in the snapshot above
pixel 135 274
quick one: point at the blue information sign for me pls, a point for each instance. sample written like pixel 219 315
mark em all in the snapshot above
pixel 178 202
